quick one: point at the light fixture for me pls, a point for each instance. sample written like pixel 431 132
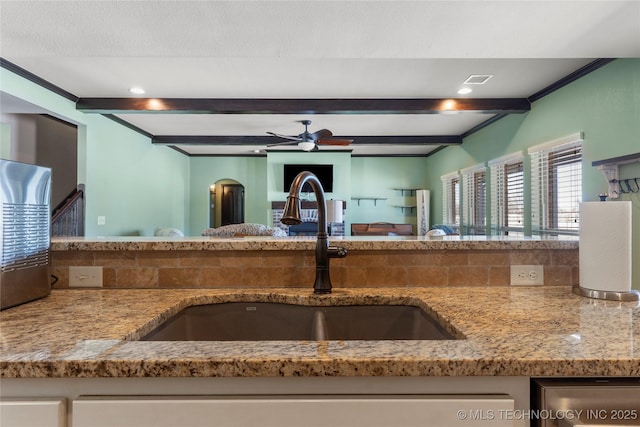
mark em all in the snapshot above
pixel 155 104
pixel 464 90
pixel 137 90
pixel 306 145
pixel 448 104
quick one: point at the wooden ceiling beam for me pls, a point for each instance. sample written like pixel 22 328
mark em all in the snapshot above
pixel 266 140
pixel 303 106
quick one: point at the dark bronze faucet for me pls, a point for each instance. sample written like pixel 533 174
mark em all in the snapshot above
pixel 291 216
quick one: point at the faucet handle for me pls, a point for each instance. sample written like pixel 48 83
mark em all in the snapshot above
pixel 337 252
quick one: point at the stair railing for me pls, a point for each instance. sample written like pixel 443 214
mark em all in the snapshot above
pixel 67 219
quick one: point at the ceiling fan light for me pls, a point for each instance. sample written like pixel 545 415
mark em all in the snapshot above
pixel 306 145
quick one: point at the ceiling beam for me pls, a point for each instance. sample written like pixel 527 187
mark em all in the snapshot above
pixel 266 140
pixel 303 106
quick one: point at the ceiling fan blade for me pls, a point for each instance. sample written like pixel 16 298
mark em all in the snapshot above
pixel 289 137
pixel 321 134
pixel 283 143
pixel 334 141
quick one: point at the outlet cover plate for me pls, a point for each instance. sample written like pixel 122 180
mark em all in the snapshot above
pixel 85 277
pixel 526 275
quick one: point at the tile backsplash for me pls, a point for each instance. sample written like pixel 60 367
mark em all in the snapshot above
pixel 296 268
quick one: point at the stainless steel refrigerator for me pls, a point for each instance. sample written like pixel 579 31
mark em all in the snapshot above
pixel 25 220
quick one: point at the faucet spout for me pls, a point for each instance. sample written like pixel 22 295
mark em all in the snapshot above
pixel 291 216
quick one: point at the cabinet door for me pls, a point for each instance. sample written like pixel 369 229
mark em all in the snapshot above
pixel 33 413
pixel 299 411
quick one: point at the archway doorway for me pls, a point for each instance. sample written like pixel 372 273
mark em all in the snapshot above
pixel 226 203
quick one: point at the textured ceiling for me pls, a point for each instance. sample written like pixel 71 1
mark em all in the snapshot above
pixel 311 49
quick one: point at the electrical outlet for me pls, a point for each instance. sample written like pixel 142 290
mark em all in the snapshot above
pixel 527 275
pixel 85 277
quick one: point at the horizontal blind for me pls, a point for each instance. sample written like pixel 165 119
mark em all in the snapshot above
pixel 480 201
pixel 473 200
pixel 497 198
pixel 514 175
pixel 451 199
pixel 507 195
pixel 467 203
pixel 556 187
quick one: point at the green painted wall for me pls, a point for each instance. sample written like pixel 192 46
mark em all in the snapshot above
pixel 605 105
pixel 136 186
pixel 341 172
pixel 359 176
pixel 249 171
pixel 356 177
pixel 382 177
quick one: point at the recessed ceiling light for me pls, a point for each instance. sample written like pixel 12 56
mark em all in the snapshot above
pixel 137 90
pixel 464 90
pixel 477 79
pixel 155 104
pixel 449 104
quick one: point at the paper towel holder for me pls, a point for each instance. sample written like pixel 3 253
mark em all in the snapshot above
pixel 631 295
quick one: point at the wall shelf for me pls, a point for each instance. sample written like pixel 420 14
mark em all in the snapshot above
pixel 403 207
pixel 375 199
pixel 611 170
pixel 409 199
pixel 622 160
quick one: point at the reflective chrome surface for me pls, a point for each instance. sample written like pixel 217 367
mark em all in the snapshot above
pixel 274 322
pixel 586 402
pixel 632 295
pixel 25 199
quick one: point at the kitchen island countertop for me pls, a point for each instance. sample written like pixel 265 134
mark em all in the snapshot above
pixel 525 331
pixel 364 243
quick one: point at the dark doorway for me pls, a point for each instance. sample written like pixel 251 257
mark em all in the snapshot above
pixel 226 201
pixel 232 204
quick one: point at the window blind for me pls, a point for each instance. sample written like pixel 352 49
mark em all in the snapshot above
pixel 474 200
pixel 556 186
pixel 514 175
pixel 451 199
pixel 480 201
pixel 507 195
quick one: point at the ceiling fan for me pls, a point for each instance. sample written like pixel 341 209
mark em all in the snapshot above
pixel 307 141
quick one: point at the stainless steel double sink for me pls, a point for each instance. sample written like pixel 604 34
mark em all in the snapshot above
pixel 257 321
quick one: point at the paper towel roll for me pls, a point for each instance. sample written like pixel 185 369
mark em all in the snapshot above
pixel 334 211
pixel 422 201
pixel 605 246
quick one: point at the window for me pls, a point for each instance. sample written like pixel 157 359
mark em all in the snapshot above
pixel 556 186
pixel 507 195
pixel 451 199
pixel 474 196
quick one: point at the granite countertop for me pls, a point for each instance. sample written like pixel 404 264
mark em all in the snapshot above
pixel 529 331
pixel 308 243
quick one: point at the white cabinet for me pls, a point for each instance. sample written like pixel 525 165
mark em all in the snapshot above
pixel 48 412
pixel 290 411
